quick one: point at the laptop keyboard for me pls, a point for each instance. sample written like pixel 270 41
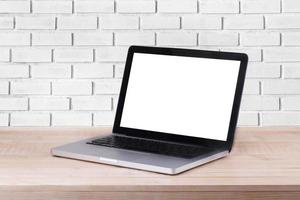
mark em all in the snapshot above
pixel 150 146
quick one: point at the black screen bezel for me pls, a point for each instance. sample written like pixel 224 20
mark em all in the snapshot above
pixel 243 58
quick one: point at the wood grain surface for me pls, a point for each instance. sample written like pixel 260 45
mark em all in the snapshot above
pixel 264 164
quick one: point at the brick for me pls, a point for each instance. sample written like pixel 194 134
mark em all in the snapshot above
pixel 290 103
pixel 284 54
pixel 260 6
pixel 201 22
pixel 73 55
pixel 111 54
pixel 254 54
pixel 218 38
pixel 103 6
pixel 6 23
pixel 49 103
pixel 254 103
pixel 160 22
pixel 291 6
pixel 51 70
pixel 115 101
pixel 35 22
pixel 95 70
pixel 30 119
pixel 291 70
pixel 71 87
pixel 14 7
pixel 3 87
pixel 107 86
pixel 104 118
pixel 282 21
pixel 263 70
pixel 71 119
pixel 64 7
pixel 77 22
pixel 14 39
pixel 92 103
pixel 177 39
pixel 219 6
pixel 137 38
pixel 93 38
pixel 31 55
pixel 280 86
pixel 243 22
pixel 135 6
pixel 260 39
pixel 251 87
pixel 14 71
pixel 291 39
pixel 31 87
pixel 119 70
pixel 119 22
pixel 3 119
pixel 13 103
pixel 281 119
pixel 248 119
pixel 51 39
pixel 171 6
pixel 4 54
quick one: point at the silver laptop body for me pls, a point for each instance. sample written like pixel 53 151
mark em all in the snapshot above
pixel 175 96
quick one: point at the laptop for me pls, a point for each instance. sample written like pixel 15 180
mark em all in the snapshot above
pixel 177 109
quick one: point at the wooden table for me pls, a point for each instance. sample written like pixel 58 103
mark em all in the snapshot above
pixel 264 164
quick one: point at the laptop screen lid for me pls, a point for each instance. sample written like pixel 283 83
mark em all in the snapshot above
pixel 181 95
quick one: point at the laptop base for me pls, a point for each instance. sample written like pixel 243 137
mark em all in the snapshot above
pixel 133 159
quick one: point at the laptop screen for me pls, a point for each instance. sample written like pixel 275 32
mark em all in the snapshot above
pixel 188 96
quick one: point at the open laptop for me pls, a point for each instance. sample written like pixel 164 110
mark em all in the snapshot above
pixel 177 109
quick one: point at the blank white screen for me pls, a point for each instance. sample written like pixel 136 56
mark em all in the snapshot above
pixel 180 95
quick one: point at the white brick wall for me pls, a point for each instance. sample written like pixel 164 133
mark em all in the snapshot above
pixel 29 119
pixel 219 6
pixel 51 39
pixel 62 61
pixel 291 70
pixel 73 55
pixel 71 119
pixel 260 39
pixel 261 6
pixel 14 71
pixel 71 87
pixel 160 22
pixel 177 39
pixel 52 70
pixel 94 70
pixel 35 22
pixel 28 54
pixel 76 22
pixel 14 39
pixel 291 6
pixel 30 87
pixel 246 22
pixel 6 23
pixel 94 6
pixel 49 103
pixel 14 6
pixel 135 6
pixel 168 6
pixel 4 119
pixel 4 85
pixel 92 103
pixel 52 6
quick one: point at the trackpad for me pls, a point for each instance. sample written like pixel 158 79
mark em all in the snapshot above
pixel 122 155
